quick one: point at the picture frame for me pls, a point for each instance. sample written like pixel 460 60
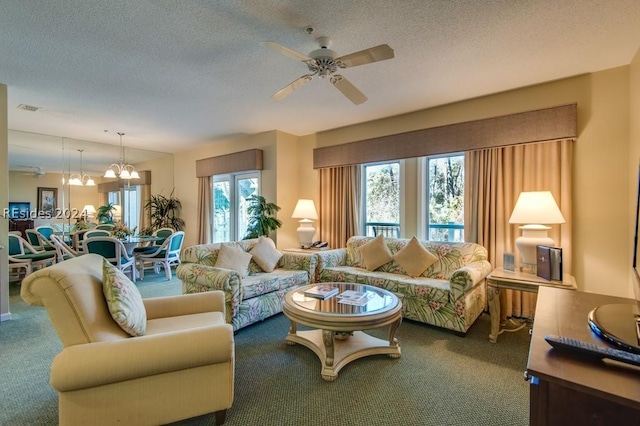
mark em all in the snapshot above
pixel 47 201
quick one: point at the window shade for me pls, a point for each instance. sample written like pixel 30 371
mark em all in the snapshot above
pixel 554 123
pixel 230 163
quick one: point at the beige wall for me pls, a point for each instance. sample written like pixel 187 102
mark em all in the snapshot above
pixel 634 149
pixel 161 174
pixel 4 189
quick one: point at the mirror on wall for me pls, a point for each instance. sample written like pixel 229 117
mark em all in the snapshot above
pixel 39 163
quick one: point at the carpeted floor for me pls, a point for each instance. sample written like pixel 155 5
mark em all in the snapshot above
pixel 441 379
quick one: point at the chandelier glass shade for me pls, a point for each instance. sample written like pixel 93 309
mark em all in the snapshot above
pixel 80 179
pixel 122 170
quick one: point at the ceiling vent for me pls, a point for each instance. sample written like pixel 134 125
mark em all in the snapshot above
pixel 28 107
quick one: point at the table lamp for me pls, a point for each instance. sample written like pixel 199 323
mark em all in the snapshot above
pixel 534 210
pixel 89 211
pixel 305 210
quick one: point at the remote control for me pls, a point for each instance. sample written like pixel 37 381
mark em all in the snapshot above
pixel 589 349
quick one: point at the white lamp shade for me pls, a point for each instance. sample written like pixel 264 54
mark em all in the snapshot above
pixel 305 209
pixel 89 209
pixel 110 173
pixel 537 207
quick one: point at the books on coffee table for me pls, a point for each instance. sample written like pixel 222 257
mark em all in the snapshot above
pixel 321 291
pixel 352 297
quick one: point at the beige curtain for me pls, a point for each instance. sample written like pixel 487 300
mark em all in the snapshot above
pixel 144 195
pixel 204 210
pixel 339 204
pixel 494 179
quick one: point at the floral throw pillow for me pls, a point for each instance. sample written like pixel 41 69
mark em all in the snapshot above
pixel 265 254
pixel 375 253
pixel 124 300
pixel 414 258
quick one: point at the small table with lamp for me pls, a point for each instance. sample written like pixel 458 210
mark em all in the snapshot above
pixel 500 279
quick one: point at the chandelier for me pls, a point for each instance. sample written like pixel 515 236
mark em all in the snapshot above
pixel 122 170
pixel 81 179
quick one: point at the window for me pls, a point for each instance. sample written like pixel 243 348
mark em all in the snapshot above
pixel 230 193
pixel 127 205
pixel 382 199
pixel 445 198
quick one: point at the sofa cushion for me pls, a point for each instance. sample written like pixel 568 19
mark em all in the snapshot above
pixel 414 258
pixel 375 253
pixel 232 256
pixel 265 254
pixel 124 300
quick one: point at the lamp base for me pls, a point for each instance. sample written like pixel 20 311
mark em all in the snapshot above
pixel 306 231
pixel 532 236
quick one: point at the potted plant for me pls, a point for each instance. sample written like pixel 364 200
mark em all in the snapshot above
pixel 262 218
pixel 105 213
pixel 164 213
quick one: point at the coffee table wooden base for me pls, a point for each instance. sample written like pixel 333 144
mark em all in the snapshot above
pixel 335 354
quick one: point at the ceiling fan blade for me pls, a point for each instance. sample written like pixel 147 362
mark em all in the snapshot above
pixel 291 87
pixel 367 56
pixel 348 89
pixel 286 51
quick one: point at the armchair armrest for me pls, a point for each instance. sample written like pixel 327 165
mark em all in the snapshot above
pixel 467 277
pixel 328 259
pixel 198 278
pixel 172 306
pixel 301 262
pixel 96 364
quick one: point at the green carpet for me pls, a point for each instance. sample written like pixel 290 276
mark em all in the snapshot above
pixel 441 379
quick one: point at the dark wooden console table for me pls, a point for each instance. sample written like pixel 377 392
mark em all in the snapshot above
pixel 569 389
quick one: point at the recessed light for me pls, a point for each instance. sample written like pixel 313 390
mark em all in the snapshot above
pixel 26 107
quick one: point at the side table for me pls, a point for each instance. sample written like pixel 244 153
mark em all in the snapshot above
pixel 513 280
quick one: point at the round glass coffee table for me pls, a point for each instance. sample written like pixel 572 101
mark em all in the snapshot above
pixel 337 322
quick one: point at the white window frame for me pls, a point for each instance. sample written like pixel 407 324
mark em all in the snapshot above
pixel 233 179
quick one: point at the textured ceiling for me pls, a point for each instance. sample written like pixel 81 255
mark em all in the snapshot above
pixel 176 74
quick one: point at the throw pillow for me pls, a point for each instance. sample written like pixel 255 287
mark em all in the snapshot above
pixel 414 258
pixel 375 253
pixel 265 254
pixel 232 256
pixel 124 300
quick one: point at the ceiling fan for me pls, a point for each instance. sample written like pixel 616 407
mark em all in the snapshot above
pixel 35 171
pixel 324 63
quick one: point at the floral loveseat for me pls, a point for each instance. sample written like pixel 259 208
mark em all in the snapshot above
pixel 250 298
pixel 451 293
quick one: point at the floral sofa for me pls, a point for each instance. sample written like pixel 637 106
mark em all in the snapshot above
pixel 451 293
pixel 250 298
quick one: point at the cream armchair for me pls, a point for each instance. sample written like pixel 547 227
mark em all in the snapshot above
pixel 182 367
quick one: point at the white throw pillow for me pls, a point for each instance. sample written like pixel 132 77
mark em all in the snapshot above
pixel 232 256
pixel 375 253
pixel 124 300
pixel 414 258
pixel 265 254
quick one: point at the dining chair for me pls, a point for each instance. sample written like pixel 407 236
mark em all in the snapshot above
pixel 38 240
pixel 113 250
pixel 96 233
pixel 162 233
pixel 45 230
pixel 63 251
pixel 167 255
pixel 23 255
pixel 105 227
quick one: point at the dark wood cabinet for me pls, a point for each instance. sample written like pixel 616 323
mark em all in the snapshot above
pixel 571 389
pixel 21 225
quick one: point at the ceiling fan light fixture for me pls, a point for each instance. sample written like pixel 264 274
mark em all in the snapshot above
pixel 122 169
